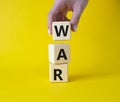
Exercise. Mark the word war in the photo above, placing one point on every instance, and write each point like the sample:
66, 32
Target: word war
59, 54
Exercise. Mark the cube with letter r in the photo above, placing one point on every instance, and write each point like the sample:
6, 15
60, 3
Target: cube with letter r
58, 72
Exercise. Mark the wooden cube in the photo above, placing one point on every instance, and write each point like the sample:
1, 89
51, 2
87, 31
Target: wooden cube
58, 73
59, 53
61, 30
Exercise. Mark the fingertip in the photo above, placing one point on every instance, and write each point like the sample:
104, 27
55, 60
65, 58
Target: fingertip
74, 28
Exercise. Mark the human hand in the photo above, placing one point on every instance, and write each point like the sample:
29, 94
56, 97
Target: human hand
60, 10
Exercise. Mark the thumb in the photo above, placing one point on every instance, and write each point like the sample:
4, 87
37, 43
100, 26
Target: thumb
52, 16
75, 18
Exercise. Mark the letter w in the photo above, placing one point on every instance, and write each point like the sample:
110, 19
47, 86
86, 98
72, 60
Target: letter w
61, 29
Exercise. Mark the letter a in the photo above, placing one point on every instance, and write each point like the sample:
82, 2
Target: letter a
62, 54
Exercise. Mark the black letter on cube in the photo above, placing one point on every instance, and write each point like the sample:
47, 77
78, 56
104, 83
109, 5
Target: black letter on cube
57, 73
61, 29
62, 54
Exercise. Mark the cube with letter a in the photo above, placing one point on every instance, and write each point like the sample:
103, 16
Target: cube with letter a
59, 53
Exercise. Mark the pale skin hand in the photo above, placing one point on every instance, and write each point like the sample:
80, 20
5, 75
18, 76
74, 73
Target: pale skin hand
60, 10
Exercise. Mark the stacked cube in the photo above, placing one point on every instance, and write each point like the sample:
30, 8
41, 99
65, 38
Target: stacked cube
59, 54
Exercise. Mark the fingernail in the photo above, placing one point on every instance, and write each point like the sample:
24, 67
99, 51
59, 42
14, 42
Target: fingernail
74, 27
49, 32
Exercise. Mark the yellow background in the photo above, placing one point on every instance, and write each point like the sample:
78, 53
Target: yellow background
94, 70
